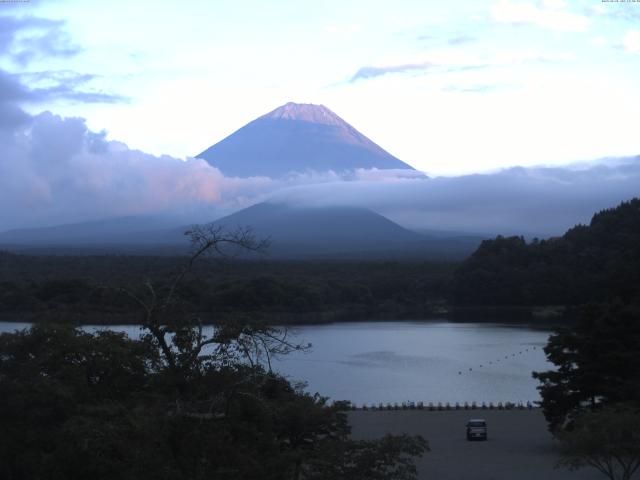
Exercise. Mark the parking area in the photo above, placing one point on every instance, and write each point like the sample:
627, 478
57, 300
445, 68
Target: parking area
518, 446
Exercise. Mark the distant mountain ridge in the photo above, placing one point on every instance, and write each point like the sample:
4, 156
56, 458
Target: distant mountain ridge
297, 138
341, 232
294, 231
321, 229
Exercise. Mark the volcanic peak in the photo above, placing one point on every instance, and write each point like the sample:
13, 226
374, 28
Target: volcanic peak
306, 112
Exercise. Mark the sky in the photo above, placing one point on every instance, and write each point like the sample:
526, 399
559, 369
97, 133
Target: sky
448, 87
103, 106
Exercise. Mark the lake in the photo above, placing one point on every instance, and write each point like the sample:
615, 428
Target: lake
429, 361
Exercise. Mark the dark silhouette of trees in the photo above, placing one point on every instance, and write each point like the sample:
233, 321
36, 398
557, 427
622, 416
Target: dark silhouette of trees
587, 264
596, 364
176, 403
607, 440
87, 289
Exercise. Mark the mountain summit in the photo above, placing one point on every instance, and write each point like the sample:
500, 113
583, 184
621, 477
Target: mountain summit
307, 112
297, 138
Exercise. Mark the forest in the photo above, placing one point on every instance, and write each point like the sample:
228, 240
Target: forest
90, 288
589, 263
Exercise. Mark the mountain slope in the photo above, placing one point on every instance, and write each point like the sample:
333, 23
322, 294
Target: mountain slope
295, 232
297, 138
321, 230
342, 232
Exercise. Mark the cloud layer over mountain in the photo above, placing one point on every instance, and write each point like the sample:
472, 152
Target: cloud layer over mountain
531, 201
56, 170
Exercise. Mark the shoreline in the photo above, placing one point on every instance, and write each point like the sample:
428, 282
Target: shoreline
528, 316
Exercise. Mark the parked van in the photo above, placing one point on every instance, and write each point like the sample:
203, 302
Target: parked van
476, 429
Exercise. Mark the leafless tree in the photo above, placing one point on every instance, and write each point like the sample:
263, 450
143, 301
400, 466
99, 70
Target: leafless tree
181, 340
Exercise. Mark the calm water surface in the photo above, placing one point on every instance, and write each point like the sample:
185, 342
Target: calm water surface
372, 362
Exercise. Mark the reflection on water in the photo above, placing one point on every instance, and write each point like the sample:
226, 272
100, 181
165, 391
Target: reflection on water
372, 362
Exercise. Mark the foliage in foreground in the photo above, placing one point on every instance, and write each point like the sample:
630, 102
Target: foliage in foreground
607, 440
596, 364
177, 403
75, 405
592, 399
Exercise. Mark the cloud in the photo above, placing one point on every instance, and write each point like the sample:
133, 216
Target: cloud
456, 40
631, 41
55, 170
28, 38
460, 39
550, 16
474, 88
453, 61
377, 71
51, 43
69, 93
11, 89
614, 11
42, 87
531, 201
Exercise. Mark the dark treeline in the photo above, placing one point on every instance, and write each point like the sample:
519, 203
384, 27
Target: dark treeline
89, 288
589, 263
176, 403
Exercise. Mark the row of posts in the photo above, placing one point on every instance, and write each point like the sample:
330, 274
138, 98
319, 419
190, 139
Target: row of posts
446, 406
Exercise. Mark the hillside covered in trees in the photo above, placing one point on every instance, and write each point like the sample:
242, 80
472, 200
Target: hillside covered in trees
89, 288
589, 263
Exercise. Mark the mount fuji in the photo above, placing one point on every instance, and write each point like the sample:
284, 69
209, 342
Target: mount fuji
297, 138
